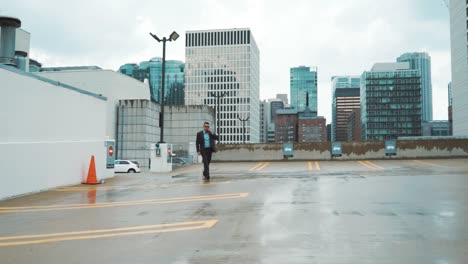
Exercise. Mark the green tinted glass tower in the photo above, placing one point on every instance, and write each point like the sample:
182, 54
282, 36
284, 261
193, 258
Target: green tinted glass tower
303, 80
422, 61
174, 92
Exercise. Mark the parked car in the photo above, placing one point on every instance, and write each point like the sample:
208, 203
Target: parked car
178, 160
127, 166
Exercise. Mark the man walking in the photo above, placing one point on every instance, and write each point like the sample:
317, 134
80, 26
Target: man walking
205, 145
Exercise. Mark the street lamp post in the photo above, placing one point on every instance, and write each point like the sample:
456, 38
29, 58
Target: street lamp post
218, 97
172, 37
243, 126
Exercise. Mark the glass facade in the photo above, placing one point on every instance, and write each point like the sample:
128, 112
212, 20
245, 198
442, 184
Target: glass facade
132, 70
345, 98
174, 91
274, 106
439, 128
422, 61
303, 80
34, 66
225, 62
391, 104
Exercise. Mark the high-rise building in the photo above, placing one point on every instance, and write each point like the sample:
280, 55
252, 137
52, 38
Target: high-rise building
422, 61
134, 71
436, 128
286, 126
450, 94
354, 125
271, 133
174, 92
292, 125
226, 62
459, 47
263, 121
329, 132
450, 110
310, 127
303, 80
275, 104
283, 97
390, 102
345, 98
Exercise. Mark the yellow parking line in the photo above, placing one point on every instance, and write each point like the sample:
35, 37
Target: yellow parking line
114, 232
263, 166
430, 164
317, 165
125, 203
364, 164
256, 166
370, 165
309, 166
104, 188
374, 165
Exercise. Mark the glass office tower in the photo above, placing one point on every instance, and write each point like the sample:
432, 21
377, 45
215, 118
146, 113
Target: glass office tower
303, 80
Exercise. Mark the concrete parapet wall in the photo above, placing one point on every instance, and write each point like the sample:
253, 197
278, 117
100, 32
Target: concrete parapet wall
406, 149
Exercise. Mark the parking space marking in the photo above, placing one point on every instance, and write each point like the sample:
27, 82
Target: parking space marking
105, 233
256, 166
374, 165
370, 165
364, 164
125, 203
260, 166
263, 166
317, 165
310, 165
149, 186
430, 164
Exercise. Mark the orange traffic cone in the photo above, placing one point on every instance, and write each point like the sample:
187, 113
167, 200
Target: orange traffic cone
91, 173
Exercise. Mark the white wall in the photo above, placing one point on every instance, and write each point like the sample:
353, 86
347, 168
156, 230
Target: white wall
459, 44
47, 134
113, 85
29, 167
182, 123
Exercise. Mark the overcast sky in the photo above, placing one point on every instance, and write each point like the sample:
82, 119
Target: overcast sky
340, 37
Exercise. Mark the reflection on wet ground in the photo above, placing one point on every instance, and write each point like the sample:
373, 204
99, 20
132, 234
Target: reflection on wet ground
259, 212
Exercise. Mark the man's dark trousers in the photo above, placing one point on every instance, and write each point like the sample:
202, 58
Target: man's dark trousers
206, 155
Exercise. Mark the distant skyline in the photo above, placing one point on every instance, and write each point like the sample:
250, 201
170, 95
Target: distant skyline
337, 36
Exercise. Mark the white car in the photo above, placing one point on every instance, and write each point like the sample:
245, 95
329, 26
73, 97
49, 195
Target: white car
126, 166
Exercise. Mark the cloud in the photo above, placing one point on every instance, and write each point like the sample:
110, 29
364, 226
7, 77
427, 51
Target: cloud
340, 37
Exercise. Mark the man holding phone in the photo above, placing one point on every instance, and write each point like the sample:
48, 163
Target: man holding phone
205, 145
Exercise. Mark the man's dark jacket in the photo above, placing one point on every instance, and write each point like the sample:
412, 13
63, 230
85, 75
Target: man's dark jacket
201, 141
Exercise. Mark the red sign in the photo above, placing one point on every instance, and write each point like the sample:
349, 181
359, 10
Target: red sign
111, 151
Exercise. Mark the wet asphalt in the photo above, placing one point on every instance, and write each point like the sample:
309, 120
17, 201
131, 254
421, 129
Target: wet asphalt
259, 212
